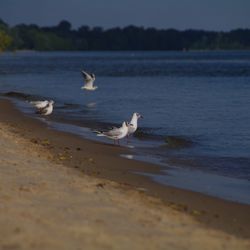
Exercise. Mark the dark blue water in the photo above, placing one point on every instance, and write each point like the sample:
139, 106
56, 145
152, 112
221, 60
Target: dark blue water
196, 105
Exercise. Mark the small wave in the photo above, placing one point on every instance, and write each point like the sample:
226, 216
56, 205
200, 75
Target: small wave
147, 133
178, 142
18, 95
69, 106
23, 96
169, 141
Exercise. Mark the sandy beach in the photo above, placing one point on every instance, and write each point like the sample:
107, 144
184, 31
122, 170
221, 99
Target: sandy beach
59, 191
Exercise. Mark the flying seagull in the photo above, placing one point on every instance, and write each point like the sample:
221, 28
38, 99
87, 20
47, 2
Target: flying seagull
115, 133
47, 110
88, 81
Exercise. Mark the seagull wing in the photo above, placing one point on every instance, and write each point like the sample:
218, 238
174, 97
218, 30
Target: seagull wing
113, 132
88, 79
42, 111
86, 76
110, 128
40, 104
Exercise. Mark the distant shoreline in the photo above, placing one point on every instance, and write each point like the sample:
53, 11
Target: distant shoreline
85, 38
77, 51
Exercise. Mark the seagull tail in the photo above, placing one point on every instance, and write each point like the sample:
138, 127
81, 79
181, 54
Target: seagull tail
98, 133
101, 134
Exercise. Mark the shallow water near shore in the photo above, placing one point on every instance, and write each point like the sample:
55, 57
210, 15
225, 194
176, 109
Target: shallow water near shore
195, 107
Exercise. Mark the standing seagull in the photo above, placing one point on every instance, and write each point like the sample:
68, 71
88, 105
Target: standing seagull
132, 126
88, 81
46, 110
116, 133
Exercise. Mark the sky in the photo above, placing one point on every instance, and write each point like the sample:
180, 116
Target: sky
218, 15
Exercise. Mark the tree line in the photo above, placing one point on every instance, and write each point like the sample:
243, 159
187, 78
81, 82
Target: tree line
63, 37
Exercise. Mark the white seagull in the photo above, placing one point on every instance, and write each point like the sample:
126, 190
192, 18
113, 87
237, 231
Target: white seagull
116, 133
47, 110
40, 104
132, 126
88, 81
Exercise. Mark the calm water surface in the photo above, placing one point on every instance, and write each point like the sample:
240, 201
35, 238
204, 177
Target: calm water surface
196, 108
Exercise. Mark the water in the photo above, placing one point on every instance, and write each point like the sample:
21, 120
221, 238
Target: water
195, 104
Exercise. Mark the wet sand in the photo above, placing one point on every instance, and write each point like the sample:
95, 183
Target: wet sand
59, 191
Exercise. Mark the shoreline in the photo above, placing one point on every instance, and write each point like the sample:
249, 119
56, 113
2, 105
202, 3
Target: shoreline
46, 205
104, 161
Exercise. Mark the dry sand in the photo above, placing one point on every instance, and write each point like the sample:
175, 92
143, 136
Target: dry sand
46, 205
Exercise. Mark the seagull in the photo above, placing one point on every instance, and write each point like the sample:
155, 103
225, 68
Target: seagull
116, 133
47, 110
88, 81
132, 126
40, 104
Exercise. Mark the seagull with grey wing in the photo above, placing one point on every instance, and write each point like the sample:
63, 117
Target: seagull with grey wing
115, 133
47, 110
88, 81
